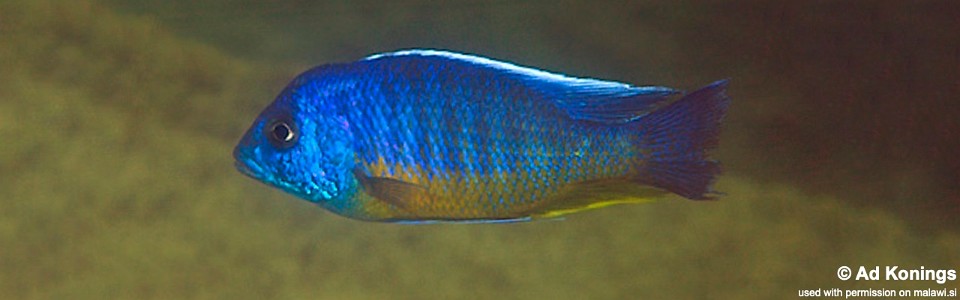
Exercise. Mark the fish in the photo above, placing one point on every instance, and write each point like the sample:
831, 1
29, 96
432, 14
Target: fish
432, 136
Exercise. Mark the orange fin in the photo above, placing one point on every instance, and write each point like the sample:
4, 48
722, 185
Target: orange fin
404, 195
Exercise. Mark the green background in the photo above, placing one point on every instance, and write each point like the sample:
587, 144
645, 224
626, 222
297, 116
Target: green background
117, 121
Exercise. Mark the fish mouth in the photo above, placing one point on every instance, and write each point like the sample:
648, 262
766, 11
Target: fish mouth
247, 166
249, 169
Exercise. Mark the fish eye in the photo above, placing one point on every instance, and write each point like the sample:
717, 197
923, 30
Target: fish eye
281, 133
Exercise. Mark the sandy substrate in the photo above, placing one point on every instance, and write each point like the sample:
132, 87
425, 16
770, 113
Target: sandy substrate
117, 182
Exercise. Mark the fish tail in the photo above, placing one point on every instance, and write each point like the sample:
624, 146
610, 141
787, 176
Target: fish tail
674, 142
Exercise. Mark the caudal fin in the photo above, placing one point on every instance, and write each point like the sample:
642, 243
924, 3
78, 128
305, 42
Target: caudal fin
675, 141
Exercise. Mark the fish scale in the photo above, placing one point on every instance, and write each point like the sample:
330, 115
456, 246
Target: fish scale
435, 136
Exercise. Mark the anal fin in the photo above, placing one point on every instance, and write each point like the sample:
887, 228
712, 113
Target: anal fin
595, 194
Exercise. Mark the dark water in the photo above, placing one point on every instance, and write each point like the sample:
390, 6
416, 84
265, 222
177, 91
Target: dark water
117, 121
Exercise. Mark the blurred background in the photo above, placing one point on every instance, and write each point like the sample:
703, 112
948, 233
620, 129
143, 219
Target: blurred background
117, 120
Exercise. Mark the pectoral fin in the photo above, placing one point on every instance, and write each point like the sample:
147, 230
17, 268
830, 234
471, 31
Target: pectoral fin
405, 195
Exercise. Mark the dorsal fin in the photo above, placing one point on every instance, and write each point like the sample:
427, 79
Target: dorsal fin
595, 100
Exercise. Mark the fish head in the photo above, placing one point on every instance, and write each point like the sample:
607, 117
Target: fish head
301, 146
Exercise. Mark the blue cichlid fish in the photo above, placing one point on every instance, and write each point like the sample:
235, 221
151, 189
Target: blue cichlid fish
421, 136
